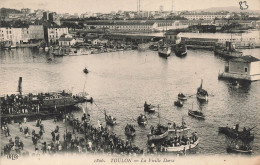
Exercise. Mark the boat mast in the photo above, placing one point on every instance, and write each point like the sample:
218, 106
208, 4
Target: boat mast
19, 88
105, 117
158, 113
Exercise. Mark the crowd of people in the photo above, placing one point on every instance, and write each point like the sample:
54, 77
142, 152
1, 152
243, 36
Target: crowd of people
18, 104
178, 140
84, 138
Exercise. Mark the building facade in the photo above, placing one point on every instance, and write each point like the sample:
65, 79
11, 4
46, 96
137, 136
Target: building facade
66, 41
16, 36
36, 33
142, 26
249, 38
54, 34
203, 16
244, 68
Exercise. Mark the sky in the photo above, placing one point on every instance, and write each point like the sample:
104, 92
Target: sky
105, 6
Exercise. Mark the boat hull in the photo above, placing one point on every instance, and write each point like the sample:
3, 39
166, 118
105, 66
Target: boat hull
228, 54
178, 104
182, 147
191, 113
182, 98
201, 97
178, 130
180, 53
163, 54
157, 137
234, 150
149, 109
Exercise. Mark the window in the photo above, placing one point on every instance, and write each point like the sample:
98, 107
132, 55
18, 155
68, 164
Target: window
246, 70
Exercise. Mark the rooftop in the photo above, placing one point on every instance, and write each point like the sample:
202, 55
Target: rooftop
65, 39
247, 59
120, 23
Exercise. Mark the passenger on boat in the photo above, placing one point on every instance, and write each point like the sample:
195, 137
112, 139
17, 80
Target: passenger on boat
152, 130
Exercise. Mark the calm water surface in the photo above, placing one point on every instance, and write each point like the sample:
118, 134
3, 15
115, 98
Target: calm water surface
121, 82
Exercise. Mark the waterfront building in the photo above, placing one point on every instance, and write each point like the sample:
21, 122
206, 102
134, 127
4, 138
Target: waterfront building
168, 25
196, 22
17, 36
54, 33
143, 26
36, 33
249, 38
243, 68
203, 16
121, 26
244, 23
66, 40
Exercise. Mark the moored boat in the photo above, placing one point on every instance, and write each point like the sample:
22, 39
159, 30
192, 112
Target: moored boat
228, 51
80, 52
159, 133
180, 50
196, 114
164, 51
202, 94
181, 96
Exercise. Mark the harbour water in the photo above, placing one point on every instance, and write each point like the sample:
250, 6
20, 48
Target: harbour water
121, 82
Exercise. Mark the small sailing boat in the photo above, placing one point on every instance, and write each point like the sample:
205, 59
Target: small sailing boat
180, 50
159, 133
202, 94
196, 114
110, 120
178, 129
149, 108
